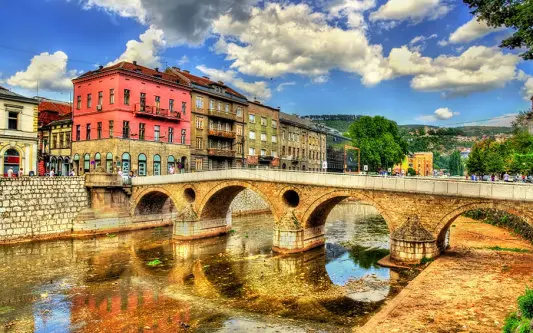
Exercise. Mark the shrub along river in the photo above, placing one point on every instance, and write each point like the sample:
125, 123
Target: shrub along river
142, 281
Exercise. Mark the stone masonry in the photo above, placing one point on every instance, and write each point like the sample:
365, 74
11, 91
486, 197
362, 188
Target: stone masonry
37, 208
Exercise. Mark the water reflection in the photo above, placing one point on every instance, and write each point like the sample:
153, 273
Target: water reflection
143, 281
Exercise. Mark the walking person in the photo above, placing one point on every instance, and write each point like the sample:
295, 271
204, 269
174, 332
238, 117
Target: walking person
10, 172
52, 173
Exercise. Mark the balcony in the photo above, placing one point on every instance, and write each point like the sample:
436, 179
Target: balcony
156, 113
222, 134
266, 159
220, 152
222, 114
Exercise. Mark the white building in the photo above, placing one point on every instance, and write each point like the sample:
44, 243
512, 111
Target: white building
18, 133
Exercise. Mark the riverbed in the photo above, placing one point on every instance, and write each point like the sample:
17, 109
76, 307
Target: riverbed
144, 282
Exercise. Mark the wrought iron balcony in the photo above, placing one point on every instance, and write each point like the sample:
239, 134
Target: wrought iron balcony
222, 114
220, 152
147, 111
222, 134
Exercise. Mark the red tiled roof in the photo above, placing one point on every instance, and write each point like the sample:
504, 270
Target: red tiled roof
202, 81
60, 107
135, 68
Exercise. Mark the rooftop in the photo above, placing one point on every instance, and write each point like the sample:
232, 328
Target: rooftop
10, 95
62, 108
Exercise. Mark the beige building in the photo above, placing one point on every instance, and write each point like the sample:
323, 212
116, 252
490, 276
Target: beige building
262, 135
18, 133
303, 144
217, 124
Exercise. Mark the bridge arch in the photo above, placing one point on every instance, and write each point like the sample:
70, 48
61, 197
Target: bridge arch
153, 201
318, 211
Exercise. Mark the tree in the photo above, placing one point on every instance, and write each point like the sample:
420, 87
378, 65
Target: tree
515, 14
379, 140
455, 164
475, 161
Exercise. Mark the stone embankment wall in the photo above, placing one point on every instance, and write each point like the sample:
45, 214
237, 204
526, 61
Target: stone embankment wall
36, 208
248, 202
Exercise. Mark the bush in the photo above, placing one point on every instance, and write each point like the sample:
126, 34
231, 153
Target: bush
511, 323
525, 304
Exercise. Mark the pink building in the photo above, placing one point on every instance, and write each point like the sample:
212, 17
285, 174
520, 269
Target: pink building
132, 118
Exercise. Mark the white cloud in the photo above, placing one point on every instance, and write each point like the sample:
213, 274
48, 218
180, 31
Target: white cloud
146, 51
421, 39
280, 39
412, 10
183, 60
124, 8
471, 30
48, 71
527, 89
352, 11
503, 120
320, 79
257, 89
282, 86
439, 114
442, 42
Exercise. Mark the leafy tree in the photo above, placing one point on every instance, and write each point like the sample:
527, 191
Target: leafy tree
475, 160
515, 14
379, 140
455, 164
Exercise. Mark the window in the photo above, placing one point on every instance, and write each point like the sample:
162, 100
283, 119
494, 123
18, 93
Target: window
126, 163
157, 102
125, 129
111, 96
156, 132
13, 120
274, 123
239, 112
228, 127
199, 122
239, 148
199, 143
251, 151
171, 105
199, 102
78, 102
111, 128
226, 108
251, 118
88, 132
53, 144
183, 135
86, 163
171, 162
263, 137
89, 100
157, 165
67, 139
142, 129
239, 130
274, 153
97, 160
99, 130
263, 121
219, 106
263, 152
126, 96
100, 97
142, 165
143, 101
184, 108
252, 135
211, 105
78, 132
198, 164
109, 163
170, 135
274, 139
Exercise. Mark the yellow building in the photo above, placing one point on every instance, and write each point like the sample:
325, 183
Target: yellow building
18, 133
422, 163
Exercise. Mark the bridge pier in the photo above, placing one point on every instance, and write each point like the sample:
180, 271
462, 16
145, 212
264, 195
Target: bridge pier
188, 226
411, 242
291, 237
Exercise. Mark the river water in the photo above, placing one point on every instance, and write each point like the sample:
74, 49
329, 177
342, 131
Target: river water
143, 282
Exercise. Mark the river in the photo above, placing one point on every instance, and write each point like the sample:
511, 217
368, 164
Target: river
144, 282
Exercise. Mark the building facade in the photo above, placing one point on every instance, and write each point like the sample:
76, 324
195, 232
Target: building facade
262, 136
335, 143
18, 133
303, 144
54, 134
218, 127
422, 163
131, 118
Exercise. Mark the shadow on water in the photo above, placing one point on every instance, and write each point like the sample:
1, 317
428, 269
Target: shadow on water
143, 281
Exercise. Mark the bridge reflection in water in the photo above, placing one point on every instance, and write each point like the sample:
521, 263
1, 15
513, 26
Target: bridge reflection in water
141, 280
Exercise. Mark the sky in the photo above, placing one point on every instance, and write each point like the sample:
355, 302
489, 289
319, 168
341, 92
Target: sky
412, 61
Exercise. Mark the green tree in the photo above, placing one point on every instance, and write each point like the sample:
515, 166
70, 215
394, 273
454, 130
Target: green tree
455, 164
515, 14
379, 140
475, 164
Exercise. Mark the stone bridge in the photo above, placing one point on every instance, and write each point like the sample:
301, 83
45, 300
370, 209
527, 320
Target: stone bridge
418, 211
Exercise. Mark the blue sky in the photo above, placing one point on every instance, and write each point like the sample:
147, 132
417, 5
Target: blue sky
413, 61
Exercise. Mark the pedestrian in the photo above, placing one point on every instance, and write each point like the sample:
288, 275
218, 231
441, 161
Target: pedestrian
119, 172
171, 170
52, 173
492, 177
21, 172
72, 173
10, 172
506, 177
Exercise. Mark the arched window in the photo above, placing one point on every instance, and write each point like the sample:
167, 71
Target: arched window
53, 164
171, 163
157, 165
97, 160
142, 165
86, 163
76, 163
126, 163
109, 163
11, 160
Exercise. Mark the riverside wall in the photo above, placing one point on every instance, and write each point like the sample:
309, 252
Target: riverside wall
39, 207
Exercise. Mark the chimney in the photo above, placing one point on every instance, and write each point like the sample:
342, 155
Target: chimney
206, 77
135, 62
100, 67
221, 83
186, 71
157, 69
